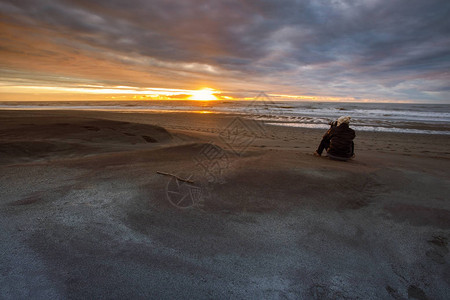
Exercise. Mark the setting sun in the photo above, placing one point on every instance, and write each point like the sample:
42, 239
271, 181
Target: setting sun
205, 94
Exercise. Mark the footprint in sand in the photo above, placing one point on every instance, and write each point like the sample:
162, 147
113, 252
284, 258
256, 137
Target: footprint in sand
440, 249
149, 139
393, 292
415, 292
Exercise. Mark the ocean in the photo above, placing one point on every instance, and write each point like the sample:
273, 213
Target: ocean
378, 117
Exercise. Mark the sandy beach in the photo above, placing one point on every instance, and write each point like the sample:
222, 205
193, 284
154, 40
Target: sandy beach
84, 213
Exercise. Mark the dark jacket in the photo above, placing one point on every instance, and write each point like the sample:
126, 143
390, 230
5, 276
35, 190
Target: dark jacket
341, 140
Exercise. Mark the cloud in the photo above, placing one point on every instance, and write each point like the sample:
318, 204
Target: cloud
370, 48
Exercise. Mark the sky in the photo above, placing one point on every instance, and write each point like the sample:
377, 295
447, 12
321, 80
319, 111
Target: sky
335, 50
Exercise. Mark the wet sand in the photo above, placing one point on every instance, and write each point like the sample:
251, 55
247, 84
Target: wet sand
84, 213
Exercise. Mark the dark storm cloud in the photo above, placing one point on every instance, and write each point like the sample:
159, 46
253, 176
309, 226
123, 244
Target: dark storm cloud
379, 49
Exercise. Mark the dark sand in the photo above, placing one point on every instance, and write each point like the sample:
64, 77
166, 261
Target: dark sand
85, 215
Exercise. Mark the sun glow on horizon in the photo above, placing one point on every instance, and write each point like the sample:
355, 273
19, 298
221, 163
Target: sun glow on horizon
97, 92
205, 94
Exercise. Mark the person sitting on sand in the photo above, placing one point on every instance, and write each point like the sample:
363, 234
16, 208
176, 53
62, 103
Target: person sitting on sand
338, 140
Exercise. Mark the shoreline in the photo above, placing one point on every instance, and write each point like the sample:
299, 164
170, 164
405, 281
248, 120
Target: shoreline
407, 127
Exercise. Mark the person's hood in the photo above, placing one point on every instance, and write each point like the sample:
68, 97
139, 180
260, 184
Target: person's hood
343, 120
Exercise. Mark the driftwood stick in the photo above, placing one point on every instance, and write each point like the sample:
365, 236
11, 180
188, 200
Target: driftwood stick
179, 178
